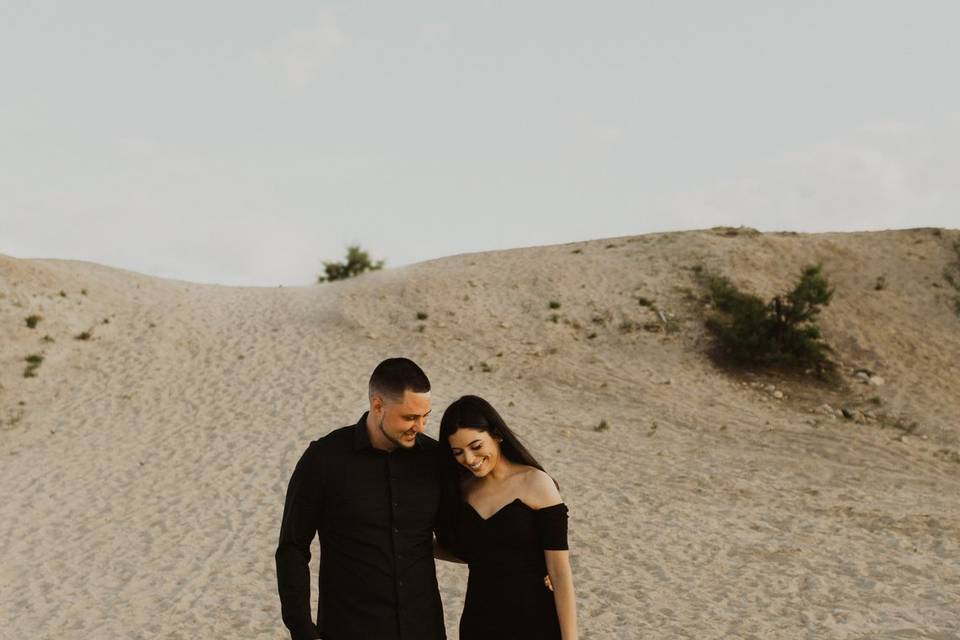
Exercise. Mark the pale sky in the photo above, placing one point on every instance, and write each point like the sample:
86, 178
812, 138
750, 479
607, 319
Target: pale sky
245, 143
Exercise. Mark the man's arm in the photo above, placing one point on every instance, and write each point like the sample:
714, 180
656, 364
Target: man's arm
441, 553
301, 519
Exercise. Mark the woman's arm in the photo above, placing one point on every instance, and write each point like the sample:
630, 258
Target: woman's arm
542, 493
558, 568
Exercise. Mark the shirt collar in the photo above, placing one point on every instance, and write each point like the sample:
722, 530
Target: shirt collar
361, 439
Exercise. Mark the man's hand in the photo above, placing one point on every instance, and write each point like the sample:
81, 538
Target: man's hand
547, 583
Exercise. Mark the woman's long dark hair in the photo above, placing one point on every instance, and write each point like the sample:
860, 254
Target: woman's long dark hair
470, 412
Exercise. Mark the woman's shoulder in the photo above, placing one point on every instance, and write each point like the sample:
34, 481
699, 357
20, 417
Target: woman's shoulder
539, 489
466, 485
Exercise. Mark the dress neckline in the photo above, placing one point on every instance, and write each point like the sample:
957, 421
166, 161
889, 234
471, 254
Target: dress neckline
514, 501
492, 515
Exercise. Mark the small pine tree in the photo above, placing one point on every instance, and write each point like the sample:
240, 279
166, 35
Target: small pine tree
781, 332
357, 262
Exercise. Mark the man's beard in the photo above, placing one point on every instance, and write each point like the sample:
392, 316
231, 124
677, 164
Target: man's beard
386, 435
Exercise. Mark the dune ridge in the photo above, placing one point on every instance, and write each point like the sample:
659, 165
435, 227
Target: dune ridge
143, 469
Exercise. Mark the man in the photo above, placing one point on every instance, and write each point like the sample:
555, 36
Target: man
371, 492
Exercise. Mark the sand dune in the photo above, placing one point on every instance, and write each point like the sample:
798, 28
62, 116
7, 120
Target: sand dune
143, 470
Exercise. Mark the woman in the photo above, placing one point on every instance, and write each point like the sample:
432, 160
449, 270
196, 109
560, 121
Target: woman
503, 515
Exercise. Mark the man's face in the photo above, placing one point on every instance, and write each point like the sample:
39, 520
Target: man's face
400, 422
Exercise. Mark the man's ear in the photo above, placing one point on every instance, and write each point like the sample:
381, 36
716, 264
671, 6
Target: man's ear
376, 404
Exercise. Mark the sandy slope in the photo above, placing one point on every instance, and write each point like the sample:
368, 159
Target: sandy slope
143, 471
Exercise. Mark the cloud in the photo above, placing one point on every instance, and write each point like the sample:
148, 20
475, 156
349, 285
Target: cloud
301, 54
433, 33
887, 176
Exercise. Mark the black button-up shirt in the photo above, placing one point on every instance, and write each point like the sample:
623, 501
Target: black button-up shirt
375, 514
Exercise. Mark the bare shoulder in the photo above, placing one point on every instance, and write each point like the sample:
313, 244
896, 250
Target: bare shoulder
466, 486
539, 489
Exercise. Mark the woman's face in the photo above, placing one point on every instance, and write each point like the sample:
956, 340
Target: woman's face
476, 450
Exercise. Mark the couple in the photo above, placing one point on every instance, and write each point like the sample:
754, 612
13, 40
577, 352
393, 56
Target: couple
377, 492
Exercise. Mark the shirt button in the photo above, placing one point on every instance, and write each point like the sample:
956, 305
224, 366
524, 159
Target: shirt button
396, 529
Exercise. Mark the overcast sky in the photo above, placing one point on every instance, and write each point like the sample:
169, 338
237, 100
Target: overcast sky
244, 143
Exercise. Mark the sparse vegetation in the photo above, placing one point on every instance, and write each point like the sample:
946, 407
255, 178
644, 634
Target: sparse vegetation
644, 302
63, 294
881, 283
951, 273
554, 318
486, 368
357, 262
33, 361
733, 232
553, 304
782, 332
84, 335
602, 426
13, 419
422, 315
32, 320
47, 338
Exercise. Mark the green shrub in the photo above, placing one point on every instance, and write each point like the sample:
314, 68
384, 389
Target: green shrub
357, 262
553, 304
33, 361
780, 332
951, 273
32, 320
422, 315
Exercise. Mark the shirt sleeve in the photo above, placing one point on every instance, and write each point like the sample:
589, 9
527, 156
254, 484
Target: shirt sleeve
552, 527
301, 519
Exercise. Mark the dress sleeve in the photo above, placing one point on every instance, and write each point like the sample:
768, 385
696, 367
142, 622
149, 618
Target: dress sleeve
552, 527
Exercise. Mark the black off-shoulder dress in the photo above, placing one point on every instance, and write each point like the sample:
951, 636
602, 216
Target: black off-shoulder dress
506, 597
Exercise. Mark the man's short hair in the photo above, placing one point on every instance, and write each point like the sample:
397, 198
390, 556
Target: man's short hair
393, 376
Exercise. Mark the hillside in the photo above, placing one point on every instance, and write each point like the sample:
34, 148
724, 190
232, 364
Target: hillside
144, 468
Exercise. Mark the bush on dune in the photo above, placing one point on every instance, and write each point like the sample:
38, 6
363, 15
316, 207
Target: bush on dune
357, 262
781, 332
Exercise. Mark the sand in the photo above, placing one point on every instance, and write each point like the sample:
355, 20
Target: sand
143, 470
